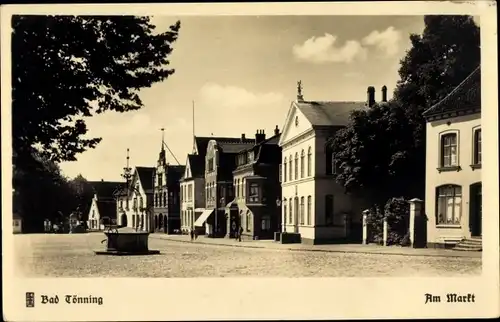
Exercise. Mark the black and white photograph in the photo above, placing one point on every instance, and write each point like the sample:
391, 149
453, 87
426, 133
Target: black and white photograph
179, 146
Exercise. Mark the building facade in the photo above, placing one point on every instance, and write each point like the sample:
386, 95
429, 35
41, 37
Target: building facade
103, 208
219, 165
137, 212
257, 190
192, 191
314, 206
167, 206
453, 202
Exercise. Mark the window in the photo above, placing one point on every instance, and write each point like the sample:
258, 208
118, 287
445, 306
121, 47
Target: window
156, 200
141, 204
290, 168
309, 210
284, 211
302, 156
302, 212
335, 165
297, 209
266, 223
133, 220
449, 150
280, 173
121, 203
210, 164
164, 199
449, 205
477, 146
284, 169
296, 165
160, 182
309, 162
134, 207
329, 210
290, 214
329, 161
254, 192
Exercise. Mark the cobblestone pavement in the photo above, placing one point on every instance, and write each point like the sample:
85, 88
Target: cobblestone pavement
71, 255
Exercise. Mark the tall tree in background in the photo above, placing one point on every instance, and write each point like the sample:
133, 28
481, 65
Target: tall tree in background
65, 68
382, 150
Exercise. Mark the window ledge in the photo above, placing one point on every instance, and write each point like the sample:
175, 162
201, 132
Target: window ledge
475, 166
448, 169
458, 226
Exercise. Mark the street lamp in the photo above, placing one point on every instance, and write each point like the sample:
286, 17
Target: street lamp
278, 205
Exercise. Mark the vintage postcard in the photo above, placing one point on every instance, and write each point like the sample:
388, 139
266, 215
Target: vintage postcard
250, 161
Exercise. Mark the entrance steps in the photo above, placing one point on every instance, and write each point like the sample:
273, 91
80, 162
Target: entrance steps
473, 244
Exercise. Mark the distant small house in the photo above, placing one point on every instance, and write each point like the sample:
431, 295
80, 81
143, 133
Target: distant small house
17, 224
103, 210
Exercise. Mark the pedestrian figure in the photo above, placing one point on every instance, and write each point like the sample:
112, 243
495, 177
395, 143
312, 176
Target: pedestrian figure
195, 234
191, 232
239, 233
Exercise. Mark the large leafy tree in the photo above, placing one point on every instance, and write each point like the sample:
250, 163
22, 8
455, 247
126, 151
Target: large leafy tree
68, 67
65, 68
382, 149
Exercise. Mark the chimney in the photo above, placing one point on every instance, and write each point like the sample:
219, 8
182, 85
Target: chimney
371, 96
276, 130
384, 93
102, 180
243, 136
259, 136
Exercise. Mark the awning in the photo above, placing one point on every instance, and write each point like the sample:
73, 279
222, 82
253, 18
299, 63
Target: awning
203, 217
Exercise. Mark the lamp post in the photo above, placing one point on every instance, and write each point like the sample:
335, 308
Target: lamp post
278, 205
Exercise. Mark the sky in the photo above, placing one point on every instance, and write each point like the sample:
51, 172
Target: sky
242, 72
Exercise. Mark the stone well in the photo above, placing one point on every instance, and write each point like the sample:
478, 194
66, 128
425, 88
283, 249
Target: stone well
126, 242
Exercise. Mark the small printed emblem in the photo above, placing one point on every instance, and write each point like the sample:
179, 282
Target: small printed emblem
30, 299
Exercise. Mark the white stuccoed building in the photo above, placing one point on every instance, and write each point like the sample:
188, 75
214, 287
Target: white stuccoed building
314, 205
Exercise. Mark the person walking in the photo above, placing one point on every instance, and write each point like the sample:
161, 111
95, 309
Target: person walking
191, 232
240, 231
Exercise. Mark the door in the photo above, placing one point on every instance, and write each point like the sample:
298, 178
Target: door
476, 209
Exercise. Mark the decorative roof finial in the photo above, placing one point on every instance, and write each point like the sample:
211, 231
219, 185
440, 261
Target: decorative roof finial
162, 139
300, 97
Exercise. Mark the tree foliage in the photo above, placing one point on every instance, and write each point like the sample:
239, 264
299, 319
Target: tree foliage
68, 67
383, 148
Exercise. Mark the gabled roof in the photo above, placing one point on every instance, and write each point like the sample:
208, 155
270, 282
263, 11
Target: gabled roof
466, 96
328, 113
107, 208
146, 177
202, 142
197, 165
107, 189
235, 147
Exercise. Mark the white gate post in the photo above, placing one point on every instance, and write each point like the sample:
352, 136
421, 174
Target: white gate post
415, 212
365, 226
385, 231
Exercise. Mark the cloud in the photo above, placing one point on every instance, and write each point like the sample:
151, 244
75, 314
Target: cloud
236, 98
387, 41
323, 50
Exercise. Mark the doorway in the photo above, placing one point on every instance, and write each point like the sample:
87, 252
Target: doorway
476, 209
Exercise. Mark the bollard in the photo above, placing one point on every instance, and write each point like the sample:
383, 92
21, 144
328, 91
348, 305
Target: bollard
365, 227
385, 231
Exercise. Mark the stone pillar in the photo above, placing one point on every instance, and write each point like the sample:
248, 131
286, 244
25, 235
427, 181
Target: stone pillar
386, 231
415, 216
365, 226
347, 225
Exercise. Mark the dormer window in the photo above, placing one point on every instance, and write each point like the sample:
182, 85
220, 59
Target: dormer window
250, 156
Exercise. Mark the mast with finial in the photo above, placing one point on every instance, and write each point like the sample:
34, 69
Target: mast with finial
300, 97
194, 137
127, 171
162, 139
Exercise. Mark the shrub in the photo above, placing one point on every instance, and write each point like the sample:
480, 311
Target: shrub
405, 242
397, 211
374, 222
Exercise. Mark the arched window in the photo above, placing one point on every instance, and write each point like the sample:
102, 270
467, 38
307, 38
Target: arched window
164, 199
290, 168
309, 162
309, 210
449, 204
302, 155
297, 209
302, 212
133, 221
290, 213
284, 169
141, 204
296, 165
284, 211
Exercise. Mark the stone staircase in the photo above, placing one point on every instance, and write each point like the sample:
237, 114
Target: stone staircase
473, 244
